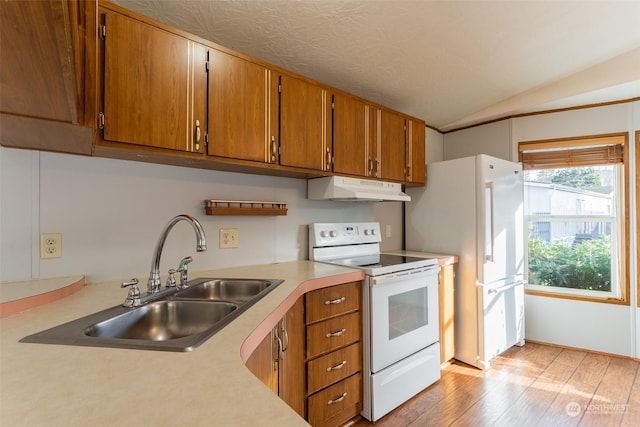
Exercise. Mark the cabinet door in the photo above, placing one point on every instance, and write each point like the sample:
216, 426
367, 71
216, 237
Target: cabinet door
415, 152
154, 85
263, 364
351, 136
303, 125
38, 75
391, 134
42, 75
292, 374
240, 114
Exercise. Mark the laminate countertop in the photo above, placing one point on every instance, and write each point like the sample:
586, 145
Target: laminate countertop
61, 385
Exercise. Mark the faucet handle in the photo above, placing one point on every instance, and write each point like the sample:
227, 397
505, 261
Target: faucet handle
171, 281
133, 297
183, 268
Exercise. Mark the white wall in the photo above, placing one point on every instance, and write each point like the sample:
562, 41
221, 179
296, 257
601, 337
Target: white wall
601, 327
110, 213
493, 139
435, 147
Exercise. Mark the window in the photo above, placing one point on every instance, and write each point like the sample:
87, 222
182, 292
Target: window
575, 205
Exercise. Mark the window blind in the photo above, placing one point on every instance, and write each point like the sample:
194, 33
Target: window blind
574, 152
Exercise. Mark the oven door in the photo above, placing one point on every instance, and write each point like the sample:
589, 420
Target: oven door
404, 315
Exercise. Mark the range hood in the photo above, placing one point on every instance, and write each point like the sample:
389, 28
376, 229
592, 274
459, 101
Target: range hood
355, 189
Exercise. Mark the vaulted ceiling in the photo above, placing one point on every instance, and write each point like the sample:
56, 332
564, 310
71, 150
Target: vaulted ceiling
451, 63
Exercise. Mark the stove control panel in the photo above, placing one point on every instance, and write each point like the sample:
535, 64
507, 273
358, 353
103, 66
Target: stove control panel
343, 233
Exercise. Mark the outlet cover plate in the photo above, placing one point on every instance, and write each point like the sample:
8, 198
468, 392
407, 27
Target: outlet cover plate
229, 238
50, 245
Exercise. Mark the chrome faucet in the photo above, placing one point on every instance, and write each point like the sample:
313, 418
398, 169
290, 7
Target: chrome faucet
153, 285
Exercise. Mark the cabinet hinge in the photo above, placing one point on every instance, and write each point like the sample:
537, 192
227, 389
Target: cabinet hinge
101, 121
206, 66
102, 32
279, 88
206, 139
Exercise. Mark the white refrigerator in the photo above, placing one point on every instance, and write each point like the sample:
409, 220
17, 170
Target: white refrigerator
473, 208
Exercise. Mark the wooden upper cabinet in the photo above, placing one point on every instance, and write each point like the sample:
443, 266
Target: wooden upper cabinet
304, 127
38, 74
352, 136
42, 77
242, 116
154, 83
415, 152
391, 139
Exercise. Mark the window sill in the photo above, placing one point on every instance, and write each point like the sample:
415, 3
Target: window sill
555, 294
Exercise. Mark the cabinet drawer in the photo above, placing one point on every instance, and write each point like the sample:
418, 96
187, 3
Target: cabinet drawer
332, 301
333, 367
331, 334
336, 404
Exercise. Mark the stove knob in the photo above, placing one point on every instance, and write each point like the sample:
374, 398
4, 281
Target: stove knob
333, 233
324, 233
366, 232
373, 231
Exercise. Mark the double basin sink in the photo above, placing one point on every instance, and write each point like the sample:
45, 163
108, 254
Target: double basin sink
179, 322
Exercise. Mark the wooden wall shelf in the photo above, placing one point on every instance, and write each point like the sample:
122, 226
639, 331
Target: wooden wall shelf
244, 207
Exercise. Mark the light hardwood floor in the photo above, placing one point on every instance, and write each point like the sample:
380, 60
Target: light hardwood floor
534, 385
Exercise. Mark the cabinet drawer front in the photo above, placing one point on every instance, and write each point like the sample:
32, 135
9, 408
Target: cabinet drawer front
332, 301
338, 403
334, 333
333, 367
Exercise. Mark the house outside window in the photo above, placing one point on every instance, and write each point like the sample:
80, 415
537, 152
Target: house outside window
575, 204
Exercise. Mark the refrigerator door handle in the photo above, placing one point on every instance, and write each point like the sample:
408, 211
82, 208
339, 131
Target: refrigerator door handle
489, 222
501, 288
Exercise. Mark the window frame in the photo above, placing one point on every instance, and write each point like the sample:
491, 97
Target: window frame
567, 144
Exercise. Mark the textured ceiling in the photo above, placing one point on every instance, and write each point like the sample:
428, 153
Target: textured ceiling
451, 63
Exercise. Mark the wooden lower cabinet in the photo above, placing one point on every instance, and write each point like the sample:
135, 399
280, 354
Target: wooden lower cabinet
336, 405
263, 363
313, 357
334, 354
291, 373
446, 303
278, 361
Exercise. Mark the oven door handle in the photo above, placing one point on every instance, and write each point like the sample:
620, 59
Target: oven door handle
404, 275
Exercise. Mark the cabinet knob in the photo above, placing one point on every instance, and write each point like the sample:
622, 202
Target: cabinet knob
336, 334
198, 135
274, 149
328, 161
335, 301
338, 366
339, 399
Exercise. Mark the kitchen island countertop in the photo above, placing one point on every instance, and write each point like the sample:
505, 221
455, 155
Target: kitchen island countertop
43, 384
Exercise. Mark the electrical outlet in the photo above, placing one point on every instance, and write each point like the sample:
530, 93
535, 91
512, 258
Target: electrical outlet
388, 231
50, 245
229, 238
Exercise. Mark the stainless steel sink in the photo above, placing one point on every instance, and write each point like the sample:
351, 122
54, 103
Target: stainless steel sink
179, 322
163, 320
232, 290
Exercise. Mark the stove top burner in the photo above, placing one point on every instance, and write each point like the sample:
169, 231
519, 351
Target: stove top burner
357, 245
379, 260
377, 264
